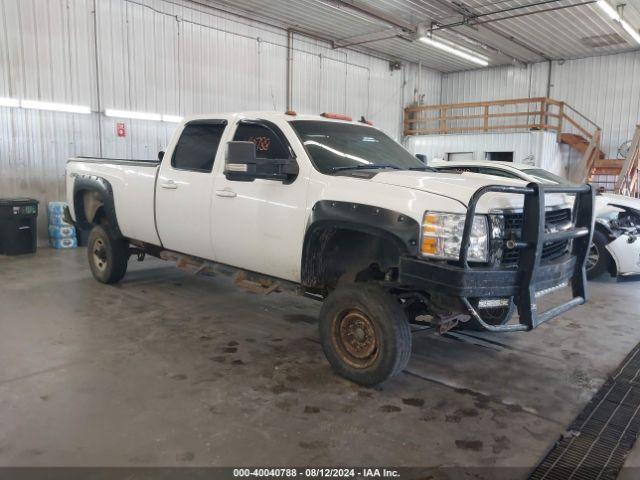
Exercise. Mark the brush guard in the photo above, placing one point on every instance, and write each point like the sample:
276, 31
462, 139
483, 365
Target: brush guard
532, 277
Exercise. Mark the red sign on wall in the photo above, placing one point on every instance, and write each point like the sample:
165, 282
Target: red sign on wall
121, 131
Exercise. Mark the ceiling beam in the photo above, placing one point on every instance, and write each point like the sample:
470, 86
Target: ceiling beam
373, 13
467, 12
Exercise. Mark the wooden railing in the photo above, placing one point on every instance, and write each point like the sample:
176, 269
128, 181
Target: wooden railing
540, 113
521, 114
629, 182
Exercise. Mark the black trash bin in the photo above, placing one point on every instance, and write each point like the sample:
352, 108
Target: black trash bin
18, 226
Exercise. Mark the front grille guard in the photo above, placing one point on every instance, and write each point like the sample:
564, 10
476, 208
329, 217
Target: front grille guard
530, 245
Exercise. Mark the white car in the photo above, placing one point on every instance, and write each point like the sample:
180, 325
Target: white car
616, 246
337, 210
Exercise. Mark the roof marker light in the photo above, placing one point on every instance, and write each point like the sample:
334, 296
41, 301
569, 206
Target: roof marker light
336, 116
291, 112
455, 51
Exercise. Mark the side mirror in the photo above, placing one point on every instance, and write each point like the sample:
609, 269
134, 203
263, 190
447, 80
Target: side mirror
421, 157
242, 165
160, 155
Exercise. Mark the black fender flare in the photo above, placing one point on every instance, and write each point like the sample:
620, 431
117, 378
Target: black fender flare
102, 188
604, 228
398, 228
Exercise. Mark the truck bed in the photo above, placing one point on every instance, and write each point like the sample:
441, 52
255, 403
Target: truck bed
133, 183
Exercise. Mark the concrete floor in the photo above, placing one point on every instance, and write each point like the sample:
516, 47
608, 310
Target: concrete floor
167, 368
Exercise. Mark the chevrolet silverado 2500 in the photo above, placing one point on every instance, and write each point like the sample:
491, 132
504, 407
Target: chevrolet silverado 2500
339, 211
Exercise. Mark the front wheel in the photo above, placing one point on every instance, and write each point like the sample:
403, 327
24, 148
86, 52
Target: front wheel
598, 257
108, 256
365, 334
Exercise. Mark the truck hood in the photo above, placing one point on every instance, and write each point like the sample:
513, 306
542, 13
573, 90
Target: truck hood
462, 186
613, 199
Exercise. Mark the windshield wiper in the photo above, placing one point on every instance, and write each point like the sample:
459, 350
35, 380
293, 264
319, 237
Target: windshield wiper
364, 167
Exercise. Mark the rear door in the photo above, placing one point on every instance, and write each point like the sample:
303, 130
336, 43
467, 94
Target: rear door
184, 189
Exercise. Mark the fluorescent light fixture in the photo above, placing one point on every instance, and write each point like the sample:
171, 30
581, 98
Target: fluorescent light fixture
135, 115
612, 13
56, 107
172, 118
455, 51
630, 30
9, 102
608, 9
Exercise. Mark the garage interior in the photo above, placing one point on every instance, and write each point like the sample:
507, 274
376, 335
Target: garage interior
172, 369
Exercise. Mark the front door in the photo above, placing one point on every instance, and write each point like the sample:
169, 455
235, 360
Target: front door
184, 189
259, 225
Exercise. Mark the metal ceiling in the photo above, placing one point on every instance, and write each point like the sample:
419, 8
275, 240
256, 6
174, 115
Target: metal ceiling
505, 31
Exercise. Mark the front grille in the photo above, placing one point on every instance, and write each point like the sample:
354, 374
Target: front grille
554, 219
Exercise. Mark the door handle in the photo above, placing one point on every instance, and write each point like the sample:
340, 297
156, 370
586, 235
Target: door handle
170, 185
226, 193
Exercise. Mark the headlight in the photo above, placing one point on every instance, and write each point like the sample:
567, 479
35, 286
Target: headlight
442, 236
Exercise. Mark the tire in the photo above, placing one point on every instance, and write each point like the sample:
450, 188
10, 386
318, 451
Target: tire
492, 316
598, 257
365, 334
107, 256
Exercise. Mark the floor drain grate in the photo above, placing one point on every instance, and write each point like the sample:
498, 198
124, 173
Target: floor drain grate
597, 442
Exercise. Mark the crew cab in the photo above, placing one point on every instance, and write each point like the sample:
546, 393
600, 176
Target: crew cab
616, 239
338, 211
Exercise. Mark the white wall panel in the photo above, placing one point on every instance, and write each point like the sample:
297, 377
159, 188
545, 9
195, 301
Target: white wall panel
495, 83
605, 89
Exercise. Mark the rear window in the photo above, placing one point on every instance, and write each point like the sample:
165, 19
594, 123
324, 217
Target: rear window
197, 146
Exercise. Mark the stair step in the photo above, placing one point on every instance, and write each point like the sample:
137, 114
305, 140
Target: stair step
579, 143
609, 166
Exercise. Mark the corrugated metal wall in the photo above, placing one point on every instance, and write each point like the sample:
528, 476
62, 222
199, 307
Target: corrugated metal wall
168, 57
606, 89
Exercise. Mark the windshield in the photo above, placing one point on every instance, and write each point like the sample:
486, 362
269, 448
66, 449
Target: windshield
335, 146
544, 176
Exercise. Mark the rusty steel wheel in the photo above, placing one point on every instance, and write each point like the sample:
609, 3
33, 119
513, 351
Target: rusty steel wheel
99, 255
364, 332
355, 338
108, 256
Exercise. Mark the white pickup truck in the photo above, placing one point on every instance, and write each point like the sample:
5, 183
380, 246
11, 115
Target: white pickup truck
339, 211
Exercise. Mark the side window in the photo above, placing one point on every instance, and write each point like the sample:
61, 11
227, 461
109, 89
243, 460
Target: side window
197, 146
498, 173
268, 143
461, 169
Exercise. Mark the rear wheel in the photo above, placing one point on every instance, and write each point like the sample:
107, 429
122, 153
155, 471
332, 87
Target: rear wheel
107, 256
365, 334
598, 257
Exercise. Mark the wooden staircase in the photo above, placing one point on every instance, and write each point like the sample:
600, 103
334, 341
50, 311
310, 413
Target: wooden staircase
628, 182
